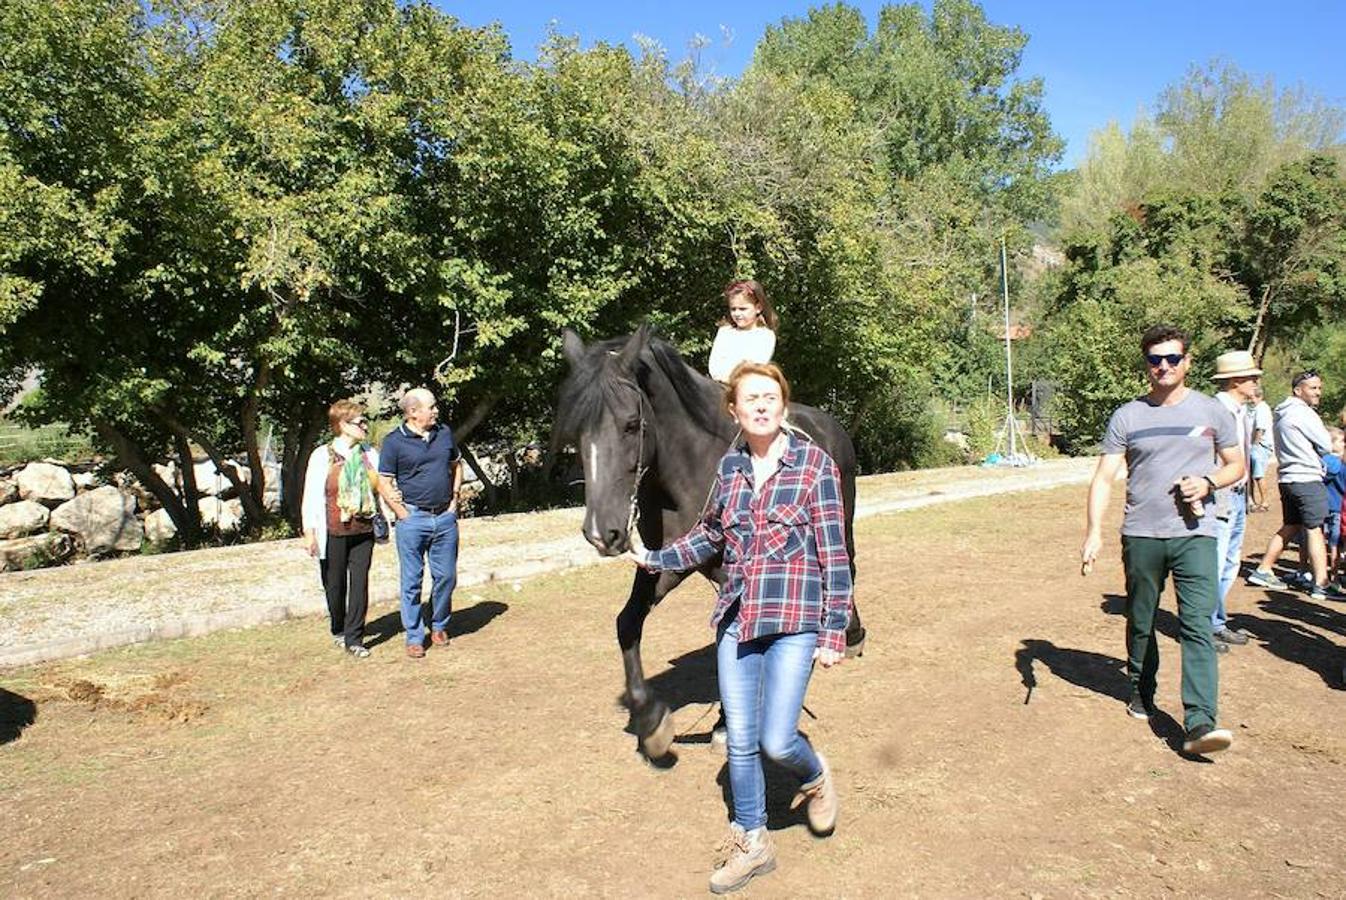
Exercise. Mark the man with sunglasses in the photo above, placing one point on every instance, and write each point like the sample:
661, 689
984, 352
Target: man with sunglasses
425, 461
1170, 441
1301, 443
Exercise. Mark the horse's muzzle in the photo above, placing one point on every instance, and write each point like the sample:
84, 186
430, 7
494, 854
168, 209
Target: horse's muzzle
608, 543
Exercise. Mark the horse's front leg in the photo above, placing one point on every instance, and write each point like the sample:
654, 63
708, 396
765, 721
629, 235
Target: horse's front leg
855, 633
650, 718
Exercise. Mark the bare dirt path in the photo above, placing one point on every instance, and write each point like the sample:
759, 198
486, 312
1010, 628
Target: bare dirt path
261, 762
67, 611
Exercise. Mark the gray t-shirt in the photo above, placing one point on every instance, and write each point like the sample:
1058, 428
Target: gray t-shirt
1162, 444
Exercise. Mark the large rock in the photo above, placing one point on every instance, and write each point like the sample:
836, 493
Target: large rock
22, 518
159, 527
84, 481
226, 515
34, 552
45, 483
211, 481
104, 518
169, 473
9, 491
271, 479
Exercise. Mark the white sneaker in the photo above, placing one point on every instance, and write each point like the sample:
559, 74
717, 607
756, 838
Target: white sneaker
1205, 739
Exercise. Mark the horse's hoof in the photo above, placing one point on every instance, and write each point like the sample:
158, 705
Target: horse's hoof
657, 743
857, 649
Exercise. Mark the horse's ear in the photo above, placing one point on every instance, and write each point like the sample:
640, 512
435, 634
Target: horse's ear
573, 347
636, 343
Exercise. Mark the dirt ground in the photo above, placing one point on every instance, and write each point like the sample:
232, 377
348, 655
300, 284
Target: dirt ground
980, 745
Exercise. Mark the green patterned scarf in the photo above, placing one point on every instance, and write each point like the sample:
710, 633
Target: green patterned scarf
355, 489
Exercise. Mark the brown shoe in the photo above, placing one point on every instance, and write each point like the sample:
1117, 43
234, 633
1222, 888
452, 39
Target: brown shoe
821, 797
415, 651
439, 638
749, 854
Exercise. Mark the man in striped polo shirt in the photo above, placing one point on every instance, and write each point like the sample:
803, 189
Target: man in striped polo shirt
1170, 441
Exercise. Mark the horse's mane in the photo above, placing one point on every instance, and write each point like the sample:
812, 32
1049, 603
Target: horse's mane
588, 389
593, 385
691, 386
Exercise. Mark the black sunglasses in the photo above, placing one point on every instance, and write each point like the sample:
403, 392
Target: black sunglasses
1302, 377
358, 423
1172, 359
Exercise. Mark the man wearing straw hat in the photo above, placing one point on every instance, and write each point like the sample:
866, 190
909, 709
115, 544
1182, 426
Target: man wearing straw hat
1179, 447
1236, 374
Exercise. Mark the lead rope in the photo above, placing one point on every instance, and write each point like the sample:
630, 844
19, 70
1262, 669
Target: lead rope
710, 492
633, 512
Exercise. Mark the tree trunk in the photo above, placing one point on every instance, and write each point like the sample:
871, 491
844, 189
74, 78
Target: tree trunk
130, 456
469, 423
491, 494
299, 441
1257, 345
190, 495
249, 426
252, 506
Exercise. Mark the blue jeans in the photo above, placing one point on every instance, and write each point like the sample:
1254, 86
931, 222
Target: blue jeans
1229, 553
762, 685
421, 536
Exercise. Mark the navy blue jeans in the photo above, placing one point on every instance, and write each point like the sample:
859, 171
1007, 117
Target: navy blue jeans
422, 537
762, 686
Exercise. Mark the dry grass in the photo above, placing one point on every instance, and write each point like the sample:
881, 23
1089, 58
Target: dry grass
263, 762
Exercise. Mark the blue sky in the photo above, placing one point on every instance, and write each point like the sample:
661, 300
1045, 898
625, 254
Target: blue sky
1100, 61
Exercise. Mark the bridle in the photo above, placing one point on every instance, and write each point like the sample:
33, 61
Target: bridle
633, 509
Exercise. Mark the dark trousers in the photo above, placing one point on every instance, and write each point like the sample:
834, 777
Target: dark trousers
1192, 560
345, 579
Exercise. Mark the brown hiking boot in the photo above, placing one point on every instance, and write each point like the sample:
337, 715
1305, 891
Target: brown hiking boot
821, 797
749, 853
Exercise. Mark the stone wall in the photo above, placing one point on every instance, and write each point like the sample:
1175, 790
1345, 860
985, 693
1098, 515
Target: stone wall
51, 513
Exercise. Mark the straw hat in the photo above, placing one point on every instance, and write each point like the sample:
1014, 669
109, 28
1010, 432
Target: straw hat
1235, 364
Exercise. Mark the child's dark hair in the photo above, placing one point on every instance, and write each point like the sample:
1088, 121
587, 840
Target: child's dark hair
757, 294
1158, 334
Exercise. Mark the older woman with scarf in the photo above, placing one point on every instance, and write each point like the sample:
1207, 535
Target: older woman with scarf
340, 502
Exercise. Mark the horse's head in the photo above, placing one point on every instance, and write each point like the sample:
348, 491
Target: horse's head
604, 411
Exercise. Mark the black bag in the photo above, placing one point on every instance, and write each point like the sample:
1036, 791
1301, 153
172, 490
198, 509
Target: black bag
380, 522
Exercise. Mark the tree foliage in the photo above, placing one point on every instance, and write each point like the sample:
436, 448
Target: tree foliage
1226, 214
220, 213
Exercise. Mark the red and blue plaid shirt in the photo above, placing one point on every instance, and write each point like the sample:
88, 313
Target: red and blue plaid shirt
785, 556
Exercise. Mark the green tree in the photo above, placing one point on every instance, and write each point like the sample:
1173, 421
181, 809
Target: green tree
1294, 252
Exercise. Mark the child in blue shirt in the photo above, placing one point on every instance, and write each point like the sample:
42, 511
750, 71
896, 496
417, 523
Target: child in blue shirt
1335, 479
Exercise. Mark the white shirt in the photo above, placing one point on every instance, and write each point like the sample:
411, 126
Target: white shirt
735, 345
313, 506
1262, 423
1245, 433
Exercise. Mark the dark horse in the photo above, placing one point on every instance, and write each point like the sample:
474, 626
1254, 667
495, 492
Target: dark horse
650, 431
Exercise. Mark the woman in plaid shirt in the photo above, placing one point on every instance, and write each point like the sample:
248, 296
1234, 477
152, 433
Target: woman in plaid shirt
776, 514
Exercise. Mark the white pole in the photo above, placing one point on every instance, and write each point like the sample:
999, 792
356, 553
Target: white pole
1009, 366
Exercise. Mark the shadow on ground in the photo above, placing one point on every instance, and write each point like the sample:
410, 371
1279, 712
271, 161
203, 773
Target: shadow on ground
1289, 640
1292, 641
16, 713
462, 622
781, 787
1097, 672
690, 680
